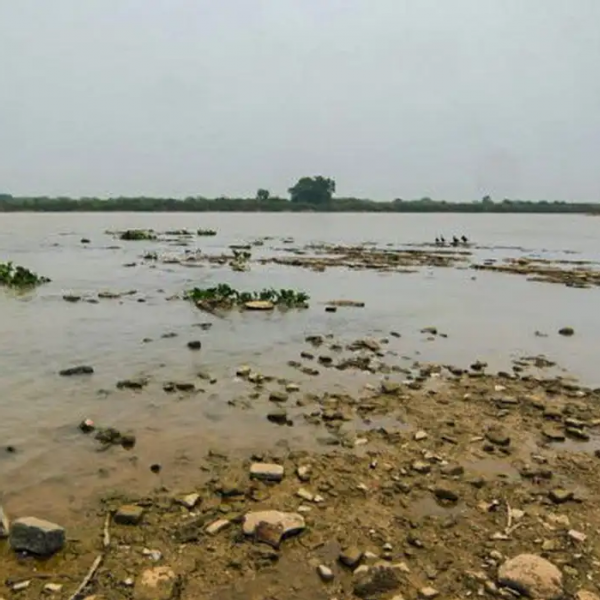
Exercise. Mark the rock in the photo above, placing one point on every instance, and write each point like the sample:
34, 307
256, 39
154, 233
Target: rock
190, 500
446, 494
243, 371
36, 536
53, 588
497, 436
132, 384
532, 576
553, 433
20, 585
157, 583
331, 309
325, 573
292, 387
217, 526
577, 536
278, 396
390, 387
427, 593
560, 495
566, 331
266, 472
87, 426
271, 526
80, 370
259, 305
420, 435
305, 495
128, 440
430, 330
303, 473
194, 345
452, 470
585, 595
280, 416
129, 514
377, 580
420, 466
4, 524
351, 557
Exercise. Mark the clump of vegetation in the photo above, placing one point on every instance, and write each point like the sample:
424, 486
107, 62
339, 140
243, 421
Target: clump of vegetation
19, 277
225, 297
206, 232
241, 259
136, 235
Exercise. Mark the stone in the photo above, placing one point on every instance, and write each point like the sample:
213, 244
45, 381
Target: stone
390, 387
553, 433
267, 472
420, 435
497, 436
155, 584
36, 536
445, 494
532, 576
292, 387
585, 595
577, 536
190, 500
566, 331
303, 473
376, 581
79, 370
428, 593
277, 396
194, 345
129, 514
325, 573
53, 588
560, 495
279, 416
243, 371
4, 524
421, 466
305, 495
271, 526
20, 585
452, 470
87, 426
351, 556
132, 384
217, 526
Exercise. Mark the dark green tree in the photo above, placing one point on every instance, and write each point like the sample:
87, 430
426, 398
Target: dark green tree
263, 195
317, 190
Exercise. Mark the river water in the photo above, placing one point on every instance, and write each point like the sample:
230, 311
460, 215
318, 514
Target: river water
487, 316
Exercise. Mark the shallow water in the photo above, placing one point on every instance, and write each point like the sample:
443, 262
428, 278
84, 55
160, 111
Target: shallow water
487, 316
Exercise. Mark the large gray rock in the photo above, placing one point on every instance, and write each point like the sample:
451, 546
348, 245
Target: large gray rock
532, 576
36, 536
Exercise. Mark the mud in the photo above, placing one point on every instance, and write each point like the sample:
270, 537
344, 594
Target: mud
437, 472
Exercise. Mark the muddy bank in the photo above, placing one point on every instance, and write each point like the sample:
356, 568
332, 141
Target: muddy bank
429, 480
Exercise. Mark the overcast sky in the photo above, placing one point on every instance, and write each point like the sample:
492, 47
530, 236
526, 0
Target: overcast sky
392, 98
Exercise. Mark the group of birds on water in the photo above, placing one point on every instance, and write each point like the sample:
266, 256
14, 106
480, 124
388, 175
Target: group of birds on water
462, 241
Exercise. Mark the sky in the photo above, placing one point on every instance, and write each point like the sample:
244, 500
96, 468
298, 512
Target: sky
391, 98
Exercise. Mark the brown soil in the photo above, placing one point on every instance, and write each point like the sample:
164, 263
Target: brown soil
443, 473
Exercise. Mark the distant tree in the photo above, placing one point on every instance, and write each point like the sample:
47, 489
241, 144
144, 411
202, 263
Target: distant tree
263, 195
313, 190
487, 200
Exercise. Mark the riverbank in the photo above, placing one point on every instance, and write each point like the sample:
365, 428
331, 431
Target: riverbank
426, 482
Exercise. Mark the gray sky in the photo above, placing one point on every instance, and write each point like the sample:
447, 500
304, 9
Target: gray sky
392, 98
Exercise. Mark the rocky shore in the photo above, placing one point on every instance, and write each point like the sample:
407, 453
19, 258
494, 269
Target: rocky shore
432, 481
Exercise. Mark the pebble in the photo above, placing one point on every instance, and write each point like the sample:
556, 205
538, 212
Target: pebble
194, 345
532, 576
553, 433
4, 524
155, 555
325, 573
428, 593
285, 523
21, 585
279, 416
190, 500
560, 495
218, 526
376, 581
36, 536
53, 588
351, 556
305, 495
267, 472
566, 331
446, 494
278, 396
585, 595
243, 371
80, 370
292, 387
577, 536
303, 473
421, 467
129, 514
420, 435
497, 436
389, 387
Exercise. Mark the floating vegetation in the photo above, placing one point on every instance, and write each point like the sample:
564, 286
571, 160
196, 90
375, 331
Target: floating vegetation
225, 297
206, 232
19, 277
240, 261
136, 235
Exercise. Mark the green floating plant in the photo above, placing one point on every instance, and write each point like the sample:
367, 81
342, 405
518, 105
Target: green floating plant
19, 277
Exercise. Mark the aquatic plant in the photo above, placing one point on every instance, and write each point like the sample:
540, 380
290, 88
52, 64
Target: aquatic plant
135, 235
19, 277
223, 296
206, 232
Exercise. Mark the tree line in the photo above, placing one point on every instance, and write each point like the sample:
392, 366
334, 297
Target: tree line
309, 194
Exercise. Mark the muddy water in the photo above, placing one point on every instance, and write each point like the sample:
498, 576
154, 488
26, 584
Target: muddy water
486, 316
